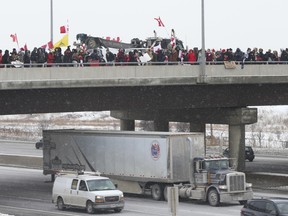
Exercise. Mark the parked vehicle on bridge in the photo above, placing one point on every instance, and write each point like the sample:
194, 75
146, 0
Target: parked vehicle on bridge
249, 153
88, 191
135, 43
267, 207
147, 162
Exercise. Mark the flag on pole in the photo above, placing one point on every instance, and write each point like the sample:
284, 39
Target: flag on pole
25, 47
160, 23
14, 37
63, 30
173, 38
44, 46
63, 42
50, 45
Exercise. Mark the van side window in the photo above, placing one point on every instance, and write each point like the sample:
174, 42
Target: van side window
82, 186
74, 184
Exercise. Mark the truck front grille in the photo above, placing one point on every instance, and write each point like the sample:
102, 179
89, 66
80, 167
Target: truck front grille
236, 182
112, 199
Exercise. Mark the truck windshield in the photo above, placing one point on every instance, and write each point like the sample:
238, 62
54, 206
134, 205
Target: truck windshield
217, 165
101, 184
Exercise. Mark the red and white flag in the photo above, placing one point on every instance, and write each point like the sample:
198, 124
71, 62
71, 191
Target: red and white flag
173, 38
50, 45
63, 30
14, 37
25, 47
160, 23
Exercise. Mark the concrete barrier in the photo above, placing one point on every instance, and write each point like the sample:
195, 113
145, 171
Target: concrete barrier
22, 161
268, 181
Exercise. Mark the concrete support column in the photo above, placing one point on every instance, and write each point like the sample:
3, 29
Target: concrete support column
127, 125
161, 125
201, 128
237, 146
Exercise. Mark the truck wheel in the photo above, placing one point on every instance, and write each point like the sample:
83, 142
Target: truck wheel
213, 197
60, 204
89, 207
157, 192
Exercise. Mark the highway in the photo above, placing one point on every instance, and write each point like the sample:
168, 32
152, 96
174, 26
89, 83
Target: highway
28, 192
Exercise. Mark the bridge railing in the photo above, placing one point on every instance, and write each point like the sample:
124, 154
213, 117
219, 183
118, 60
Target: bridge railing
97, 63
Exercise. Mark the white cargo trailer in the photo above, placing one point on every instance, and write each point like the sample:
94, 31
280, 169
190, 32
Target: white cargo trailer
141, 162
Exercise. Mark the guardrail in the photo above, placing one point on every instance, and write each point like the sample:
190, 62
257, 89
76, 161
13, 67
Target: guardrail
97, 63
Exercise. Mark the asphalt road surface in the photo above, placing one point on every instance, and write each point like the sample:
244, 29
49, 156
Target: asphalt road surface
28, 192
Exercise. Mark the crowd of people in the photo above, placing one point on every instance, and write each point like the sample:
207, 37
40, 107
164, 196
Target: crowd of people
95, 57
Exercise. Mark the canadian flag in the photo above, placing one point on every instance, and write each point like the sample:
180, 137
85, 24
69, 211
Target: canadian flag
160, 23
63, 30
14, 37
50, 45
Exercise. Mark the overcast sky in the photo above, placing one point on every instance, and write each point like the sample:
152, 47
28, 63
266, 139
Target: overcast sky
228, 23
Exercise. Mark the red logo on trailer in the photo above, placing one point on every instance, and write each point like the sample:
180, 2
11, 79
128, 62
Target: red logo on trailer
155, 150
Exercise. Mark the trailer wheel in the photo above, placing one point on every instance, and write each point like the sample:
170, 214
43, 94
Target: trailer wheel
157, 192
213, 197
89, 207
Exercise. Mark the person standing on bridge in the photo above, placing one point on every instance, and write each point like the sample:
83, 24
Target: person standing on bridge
110, 57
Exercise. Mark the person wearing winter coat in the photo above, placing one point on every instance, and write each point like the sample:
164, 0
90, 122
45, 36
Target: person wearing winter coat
191, 57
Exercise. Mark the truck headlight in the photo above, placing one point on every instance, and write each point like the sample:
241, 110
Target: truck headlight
99, 199
121, 197
248, 185
223, 187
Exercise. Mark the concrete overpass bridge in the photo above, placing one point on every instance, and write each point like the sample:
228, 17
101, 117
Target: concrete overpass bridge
159, 93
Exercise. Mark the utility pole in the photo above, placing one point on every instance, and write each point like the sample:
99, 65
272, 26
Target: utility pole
51, 21
202, 77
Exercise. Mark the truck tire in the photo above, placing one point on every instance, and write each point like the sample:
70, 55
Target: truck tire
60, 204
157, 192
213, 197
89, 207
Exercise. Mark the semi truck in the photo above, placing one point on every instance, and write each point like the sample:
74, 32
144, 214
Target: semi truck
147, 163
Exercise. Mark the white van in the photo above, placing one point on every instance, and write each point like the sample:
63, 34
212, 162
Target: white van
90, 192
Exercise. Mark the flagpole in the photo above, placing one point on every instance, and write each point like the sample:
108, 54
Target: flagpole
51, 20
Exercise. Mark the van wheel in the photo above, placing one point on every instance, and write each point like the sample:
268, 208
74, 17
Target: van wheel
60, 204
213, 197
89, 207
157, 192
117, 210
